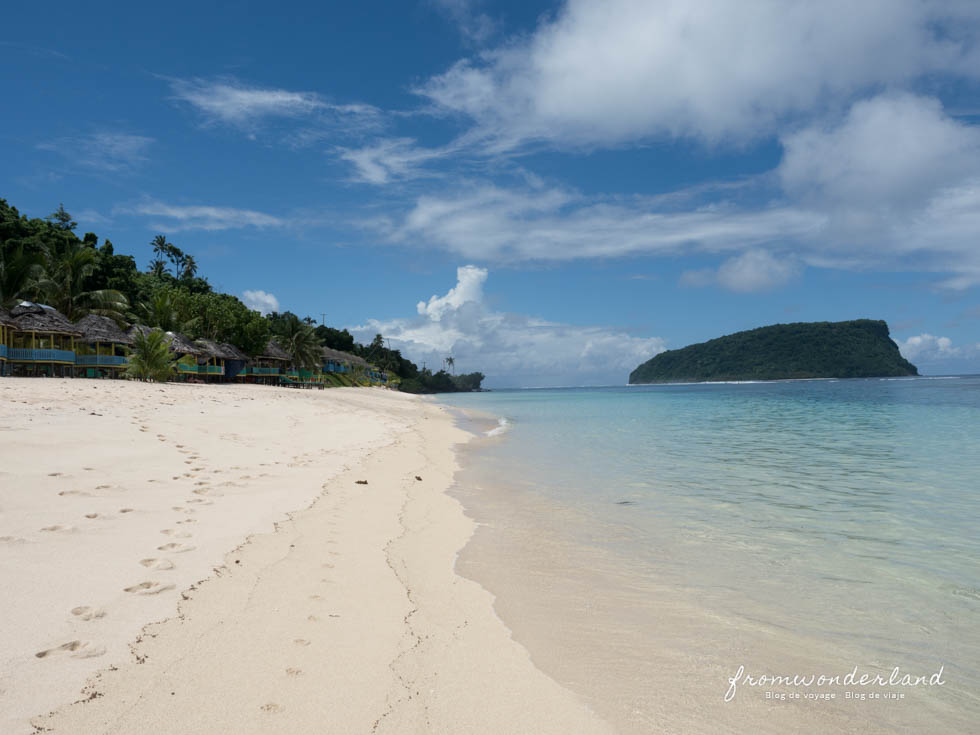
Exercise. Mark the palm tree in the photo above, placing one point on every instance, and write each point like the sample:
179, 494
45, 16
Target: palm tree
151, 358
164, 310
188, 268
19, 272
302, 344
451, 362
62, 283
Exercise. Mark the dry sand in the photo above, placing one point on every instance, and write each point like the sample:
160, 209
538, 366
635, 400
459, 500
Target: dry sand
123, 504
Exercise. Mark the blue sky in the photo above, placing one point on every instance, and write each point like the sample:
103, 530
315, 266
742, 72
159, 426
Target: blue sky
550, 192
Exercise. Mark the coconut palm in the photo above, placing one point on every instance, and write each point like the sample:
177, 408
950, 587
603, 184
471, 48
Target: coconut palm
151, 358
451, 362
166, 311
64, 271
301, 342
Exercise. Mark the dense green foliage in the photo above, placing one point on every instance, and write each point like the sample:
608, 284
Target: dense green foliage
44, 260
442, 382
854, 349
150, 358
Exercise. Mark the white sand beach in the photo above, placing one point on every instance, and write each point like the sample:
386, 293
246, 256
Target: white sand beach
241, 559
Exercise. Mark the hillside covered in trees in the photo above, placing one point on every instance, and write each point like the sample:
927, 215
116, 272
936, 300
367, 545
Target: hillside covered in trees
854, 349
45, 261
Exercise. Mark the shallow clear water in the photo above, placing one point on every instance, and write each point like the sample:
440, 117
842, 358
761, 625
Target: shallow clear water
843, 511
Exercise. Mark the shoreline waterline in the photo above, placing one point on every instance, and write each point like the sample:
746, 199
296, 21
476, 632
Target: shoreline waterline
639, 604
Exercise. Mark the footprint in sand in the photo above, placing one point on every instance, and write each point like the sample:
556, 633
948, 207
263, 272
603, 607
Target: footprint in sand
148, 588
195, 500
12, 540
76, 492
301, 642
271, 708
188, 520
84, 612
294, 672
176, 548
102, 487
125, 510
75, 649
54, 474
92, 515
58, 527
161, 564
175, 533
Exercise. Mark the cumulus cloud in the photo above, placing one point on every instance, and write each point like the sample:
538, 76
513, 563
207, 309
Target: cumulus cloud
892, 183
511, 349
176, 218
753, 270
261, 301
927, 347
623, 70
107, 151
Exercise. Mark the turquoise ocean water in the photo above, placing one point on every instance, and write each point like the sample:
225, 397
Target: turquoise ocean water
840, 515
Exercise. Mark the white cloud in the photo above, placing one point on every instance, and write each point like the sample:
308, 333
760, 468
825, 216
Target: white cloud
491, 222
260, 301
111, 152
468, 288
753, 270
391, 159
623, 70
231, 102
474, 24
511, 349
927, 347
176, 218
891, 152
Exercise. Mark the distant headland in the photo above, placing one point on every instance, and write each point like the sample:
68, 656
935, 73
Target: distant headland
861, 348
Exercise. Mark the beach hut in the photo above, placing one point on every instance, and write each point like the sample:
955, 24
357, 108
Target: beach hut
187, 354
236, 362
335, 361
42, 341
6, 332
212, 362
269, 366
102, 349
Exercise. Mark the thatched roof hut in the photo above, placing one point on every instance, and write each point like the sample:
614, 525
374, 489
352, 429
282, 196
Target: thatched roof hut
5, 319
30, 317
181, 345
95, 328
343, 357
208, 348
273, 351
234, 352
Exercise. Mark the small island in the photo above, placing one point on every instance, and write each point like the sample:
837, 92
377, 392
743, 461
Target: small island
861, 348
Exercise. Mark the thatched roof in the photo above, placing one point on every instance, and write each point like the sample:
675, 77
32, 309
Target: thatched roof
347, 357
213, 349
29, 317
5, 318
273, 351
234, 352
96, 328
181, 345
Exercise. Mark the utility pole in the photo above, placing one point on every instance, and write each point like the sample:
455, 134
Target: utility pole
323, 318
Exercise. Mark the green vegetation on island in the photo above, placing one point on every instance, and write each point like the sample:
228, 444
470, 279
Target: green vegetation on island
46, 262
854, 349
